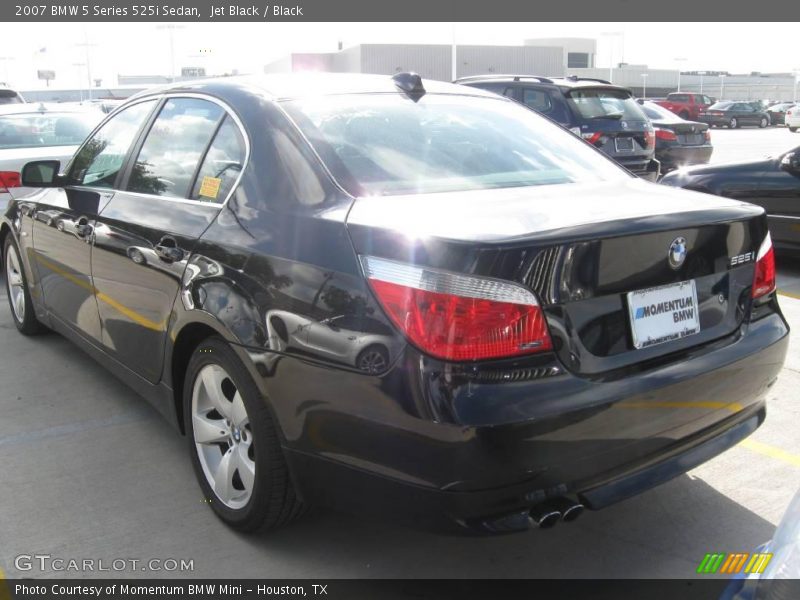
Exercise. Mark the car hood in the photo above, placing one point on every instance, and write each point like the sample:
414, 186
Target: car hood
497, 215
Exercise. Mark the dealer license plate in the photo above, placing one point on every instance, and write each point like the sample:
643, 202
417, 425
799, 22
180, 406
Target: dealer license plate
663, 314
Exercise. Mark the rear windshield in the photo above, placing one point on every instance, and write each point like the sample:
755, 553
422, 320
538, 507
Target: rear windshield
387, 144
721, 106
678, 97
605, 104
10, 97
29, 130
658, 113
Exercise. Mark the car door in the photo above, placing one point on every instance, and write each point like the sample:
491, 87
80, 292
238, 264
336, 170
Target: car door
178, 177
779, 194
747, 114
64, 220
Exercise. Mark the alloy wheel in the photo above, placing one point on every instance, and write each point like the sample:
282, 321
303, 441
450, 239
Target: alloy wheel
223, 437
15, 284
372, 361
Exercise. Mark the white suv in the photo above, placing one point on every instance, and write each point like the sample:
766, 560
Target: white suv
793, 118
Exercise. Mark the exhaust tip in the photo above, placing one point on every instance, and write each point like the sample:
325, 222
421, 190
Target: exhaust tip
572, 513
545, 518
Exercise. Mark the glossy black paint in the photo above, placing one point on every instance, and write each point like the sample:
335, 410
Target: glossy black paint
429, 439
690, 146
771, 183
734, 115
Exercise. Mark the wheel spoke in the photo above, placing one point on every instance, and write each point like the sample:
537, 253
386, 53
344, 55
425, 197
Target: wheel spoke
238, 413
212, 382
15, 279
223, 478
246, 467
209, 431
19, 306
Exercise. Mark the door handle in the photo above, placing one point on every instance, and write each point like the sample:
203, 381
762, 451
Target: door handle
168, 251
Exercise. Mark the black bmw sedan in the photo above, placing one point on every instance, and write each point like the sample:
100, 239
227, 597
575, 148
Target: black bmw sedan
772, 183
545, 332
734, 115
678, 142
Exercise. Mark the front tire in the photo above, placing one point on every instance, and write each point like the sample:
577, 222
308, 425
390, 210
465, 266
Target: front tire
19, 297
234, 444
763, 123
373, 359
733, 123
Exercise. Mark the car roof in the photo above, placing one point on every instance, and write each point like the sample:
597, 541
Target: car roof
282, 86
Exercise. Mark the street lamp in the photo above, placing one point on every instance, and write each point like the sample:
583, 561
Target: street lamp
679, 60
644, 85
701, 73
610, 35
171, 29
87, 45
722, 77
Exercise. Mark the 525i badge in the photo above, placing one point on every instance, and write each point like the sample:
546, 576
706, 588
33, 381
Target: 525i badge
740, 259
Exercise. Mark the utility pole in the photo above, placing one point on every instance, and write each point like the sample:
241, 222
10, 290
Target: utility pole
171, 29
86, 45
611, 35
644, 85
679, 60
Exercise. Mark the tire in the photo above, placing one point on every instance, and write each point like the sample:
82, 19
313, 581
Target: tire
793, 129
255, 491
733, 123
683, 115
373, 359
19, 297
763, 123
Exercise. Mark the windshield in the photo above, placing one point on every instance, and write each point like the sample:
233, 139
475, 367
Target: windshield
386, 144
605, 104
29, 130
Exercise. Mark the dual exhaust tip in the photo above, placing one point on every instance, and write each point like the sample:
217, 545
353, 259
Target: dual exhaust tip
547, 514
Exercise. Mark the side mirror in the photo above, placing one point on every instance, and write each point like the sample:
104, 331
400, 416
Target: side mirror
791, 162
41, 173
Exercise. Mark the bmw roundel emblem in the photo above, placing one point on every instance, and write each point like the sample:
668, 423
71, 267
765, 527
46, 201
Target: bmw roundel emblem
677, 252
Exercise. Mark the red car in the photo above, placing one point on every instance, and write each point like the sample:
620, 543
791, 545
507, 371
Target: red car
686, 105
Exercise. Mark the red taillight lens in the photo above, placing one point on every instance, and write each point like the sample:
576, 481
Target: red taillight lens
666, 135
9, 179
592, 138
764, 278
458, 317
650, 138
708, 135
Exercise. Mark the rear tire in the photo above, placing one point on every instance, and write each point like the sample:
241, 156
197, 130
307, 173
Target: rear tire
793, 129
373, 359
234, 444
19, 297
733, 123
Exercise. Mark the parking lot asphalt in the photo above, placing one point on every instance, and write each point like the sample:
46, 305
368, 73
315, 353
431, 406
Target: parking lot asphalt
90, 471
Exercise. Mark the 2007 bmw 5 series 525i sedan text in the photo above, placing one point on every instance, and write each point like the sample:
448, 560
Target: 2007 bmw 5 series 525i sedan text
396, 296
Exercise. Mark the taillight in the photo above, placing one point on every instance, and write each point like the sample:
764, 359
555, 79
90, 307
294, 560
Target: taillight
666, 135
764, 278
592, 138
708, 135
458, 317
9, 179
650, 138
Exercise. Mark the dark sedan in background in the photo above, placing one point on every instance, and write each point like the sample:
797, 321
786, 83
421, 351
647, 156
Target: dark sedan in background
678, 142
773, 183
734, 115
531, 363
777, 112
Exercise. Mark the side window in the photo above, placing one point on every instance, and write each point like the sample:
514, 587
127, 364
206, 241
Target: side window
100, 159
706, 100
221, 166
538, 100
173, 147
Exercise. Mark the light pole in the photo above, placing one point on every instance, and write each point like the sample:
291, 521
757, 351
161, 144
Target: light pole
80, 66
644, 85
86, 45
701, 73
722, 77
611, 35
796, 78
679, 60
171, 29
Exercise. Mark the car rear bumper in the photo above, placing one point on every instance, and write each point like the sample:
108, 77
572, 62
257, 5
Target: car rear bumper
711, 120
419, 445
678, 156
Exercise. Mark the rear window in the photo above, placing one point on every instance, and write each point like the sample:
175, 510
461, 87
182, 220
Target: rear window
721, 106
31, 130
678, 97
605, 104
10, 97
386, 144
658, 113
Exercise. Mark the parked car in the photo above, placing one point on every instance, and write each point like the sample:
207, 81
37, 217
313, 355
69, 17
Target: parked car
792, 118
562, 331
604, 115
772, 183
34, 131
9, 96
686, 105
733, 115
777, 112
678, 142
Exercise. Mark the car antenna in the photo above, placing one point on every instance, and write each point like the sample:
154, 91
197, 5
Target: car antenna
410, 84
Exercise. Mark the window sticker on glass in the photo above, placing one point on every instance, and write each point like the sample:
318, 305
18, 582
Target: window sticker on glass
210, 187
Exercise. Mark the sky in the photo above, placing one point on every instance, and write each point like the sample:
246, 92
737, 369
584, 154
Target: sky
116, 49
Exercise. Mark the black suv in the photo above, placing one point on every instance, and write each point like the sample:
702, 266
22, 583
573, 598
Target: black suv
603, 114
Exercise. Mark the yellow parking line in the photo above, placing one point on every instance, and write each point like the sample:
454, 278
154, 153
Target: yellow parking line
771, 451
789, 295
